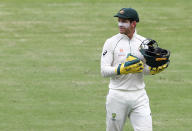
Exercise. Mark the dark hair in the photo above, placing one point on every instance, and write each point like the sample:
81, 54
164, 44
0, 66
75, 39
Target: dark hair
131, 20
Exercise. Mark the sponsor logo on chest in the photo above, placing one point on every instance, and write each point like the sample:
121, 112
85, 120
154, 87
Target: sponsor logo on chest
121, 52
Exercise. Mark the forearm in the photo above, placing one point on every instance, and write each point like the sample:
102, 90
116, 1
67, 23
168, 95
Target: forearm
108, 71
132, 64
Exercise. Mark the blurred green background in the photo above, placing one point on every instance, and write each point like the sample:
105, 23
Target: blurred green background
50, 63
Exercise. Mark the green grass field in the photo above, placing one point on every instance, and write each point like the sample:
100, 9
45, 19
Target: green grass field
50, 63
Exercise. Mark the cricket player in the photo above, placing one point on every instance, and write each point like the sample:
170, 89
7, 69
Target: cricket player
122, 61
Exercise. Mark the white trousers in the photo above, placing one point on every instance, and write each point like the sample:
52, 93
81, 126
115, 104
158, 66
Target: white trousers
134, 105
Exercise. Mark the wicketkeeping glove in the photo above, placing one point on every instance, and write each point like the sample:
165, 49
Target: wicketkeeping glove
132, 64
155, 70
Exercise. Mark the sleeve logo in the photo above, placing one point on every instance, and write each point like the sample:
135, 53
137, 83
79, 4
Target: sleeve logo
105, 52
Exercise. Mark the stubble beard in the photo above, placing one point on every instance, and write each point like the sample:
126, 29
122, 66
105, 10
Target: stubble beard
124, 31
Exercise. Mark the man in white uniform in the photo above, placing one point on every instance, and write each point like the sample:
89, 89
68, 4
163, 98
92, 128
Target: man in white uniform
122, 61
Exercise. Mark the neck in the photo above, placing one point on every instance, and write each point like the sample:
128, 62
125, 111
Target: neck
130, 35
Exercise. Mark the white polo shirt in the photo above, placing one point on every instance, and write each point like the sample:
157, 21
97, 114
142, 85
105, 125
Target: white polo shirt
114, 52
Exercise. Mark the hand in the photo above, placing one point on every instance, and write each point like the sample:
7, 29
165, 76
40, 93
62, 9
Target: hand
155, 70
132, 64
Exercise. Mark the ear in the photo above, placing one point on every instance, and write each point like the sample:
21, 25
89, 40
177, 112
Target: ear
133, 24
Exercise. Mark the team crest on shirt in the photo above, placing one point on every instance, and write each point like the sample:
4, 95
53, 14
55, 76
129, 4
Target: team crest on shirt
114, 116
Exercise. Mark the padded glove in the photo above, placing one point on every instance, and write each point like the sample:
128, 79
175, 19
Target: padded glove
132, 64
155, 70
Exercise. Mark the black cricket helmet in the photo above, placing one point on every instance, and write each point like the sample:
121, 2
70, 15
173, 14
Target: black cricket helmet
154, 55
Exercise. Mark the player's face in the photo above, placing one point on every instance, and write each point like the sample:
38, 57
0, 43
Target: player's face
125, 27
123, 24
